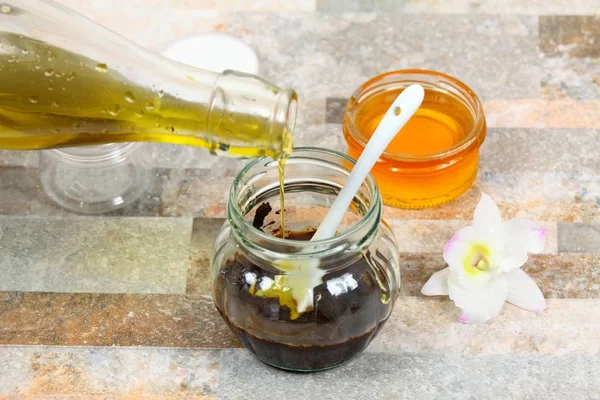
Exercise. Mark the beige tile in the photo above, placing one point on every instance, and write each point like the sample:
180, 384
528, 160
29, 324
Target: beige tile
571, 36
430, 236
579, 238
88, 372
424, 325
518, 150
569, 77
443, 375
529, 7
242, 5
539, 196
560, 276
535, 113
94, 255
80, 319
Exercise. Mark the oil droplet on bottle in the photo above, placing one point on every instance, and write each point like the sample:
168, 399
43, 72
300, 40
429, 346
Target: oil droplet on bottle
76, 125
5, 9
149, 106
129, 97
55, 104
101, 67
71, 76
11, 59
50, 88
139, 115
24, 52
33, 100
37, 67
161, 93
51, 56
49, 72
64, 89
114, 110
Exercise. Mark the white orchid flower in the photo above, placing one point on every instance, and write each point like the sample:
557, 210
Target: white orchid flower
484, 265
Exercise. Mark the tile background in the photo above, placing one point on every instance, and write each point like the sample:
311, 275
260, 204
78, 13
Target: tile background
120, 306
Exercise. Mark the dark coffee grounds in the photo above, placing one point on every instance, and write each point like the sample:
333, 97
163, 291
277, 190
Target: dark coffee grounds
341, 325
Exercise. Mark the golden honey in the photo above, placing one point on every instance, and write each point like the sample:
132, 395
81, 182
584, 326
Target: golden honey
435, 157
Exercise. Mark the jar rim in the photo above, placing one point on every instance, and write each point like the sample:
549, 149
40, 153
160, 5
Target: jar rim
434, 79
372, 216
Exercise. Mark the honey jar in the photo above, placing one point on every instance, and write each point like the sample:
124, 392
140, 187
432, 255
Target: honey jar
435, 157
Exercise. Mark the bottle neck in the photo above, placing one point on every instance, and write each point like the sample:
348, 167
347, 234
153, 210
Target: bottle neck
243, 107
67, 82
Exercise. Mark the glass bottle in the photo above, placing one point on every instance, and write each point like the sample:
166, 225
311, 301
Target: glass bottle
66, 81
361, 264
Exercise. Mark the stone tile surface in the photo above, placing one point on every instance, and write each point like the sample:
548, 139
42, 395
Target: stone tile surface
79, 319
14, 373
531, 7
97, 255
573, 197
347, 49
563, 113
238, 5
195, 193
534, 64
430, 236
564, 276
417, 376
335, 108
192, 320
578, 238
105, 371
15, 158
204, 233
21, 193
430, 325
572, 36
547, 150
576, 78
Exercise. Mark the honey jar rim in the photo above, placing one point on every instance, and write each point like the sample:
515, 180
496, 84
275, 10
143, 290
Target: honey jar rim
407, 77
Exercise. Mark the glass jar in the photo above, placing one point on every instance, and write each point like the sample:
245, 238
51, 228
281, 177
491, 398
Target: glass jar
359, 267
435, 157
96, 179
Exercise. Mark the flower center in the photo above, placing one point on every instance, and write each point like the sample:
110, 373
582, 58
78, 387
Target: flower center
480, 262
477, 260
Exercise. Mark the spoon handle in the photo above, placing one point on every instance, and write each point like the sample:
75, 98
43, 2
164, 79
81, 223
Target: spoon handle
401, 110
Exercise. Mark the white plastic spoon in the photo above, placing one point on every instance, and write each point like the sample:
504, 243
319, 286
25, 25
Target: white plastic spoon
305, 274
401, 110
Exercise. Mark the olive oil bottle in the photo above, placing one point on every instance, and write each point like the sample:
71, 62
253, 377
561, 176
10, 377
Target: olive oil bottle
66, 81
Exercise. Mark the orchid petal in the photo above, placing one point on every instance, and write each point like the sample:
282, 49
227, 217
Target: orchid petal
455, 248
487, 216
524, 292
479, 305
524, 235
513, 260
521, 237
437, 285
